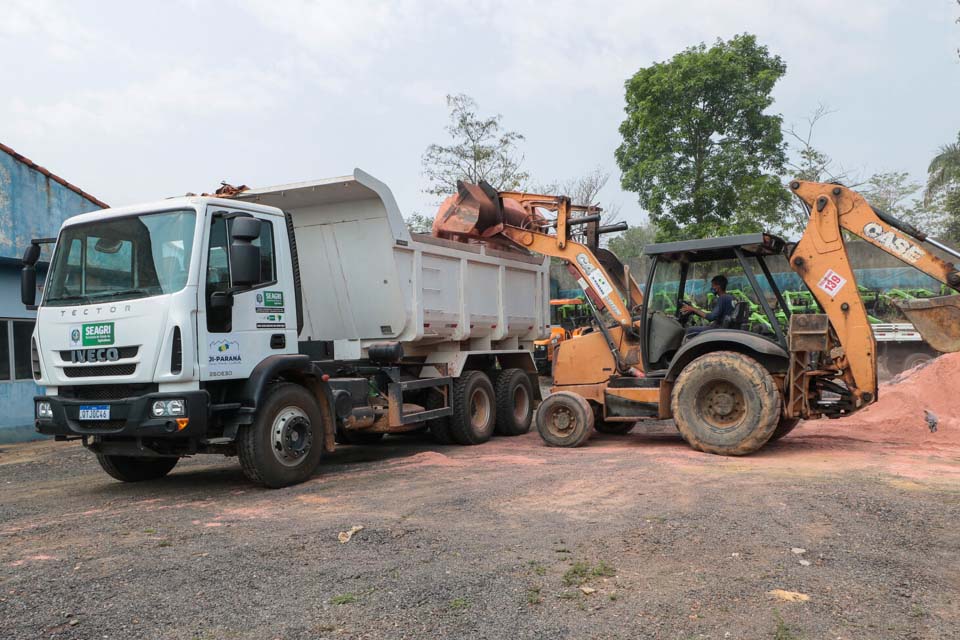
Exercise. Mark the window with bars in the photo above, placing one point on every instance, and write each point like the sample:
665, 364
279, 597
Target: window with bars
15, 349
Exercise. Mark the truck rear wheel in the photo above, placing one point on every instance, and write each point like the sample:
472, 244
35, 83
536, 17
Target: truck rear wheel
726, 403
284, 444
136, 469
474, 409
514, 394
564, 419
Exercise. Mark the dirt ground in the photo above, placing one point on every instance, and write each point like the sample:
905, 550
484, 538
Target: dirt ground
631, 536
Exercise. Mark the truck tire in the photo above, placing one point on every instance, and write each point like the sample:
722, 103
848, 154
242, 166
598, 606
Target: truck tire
136, 469
474, 409
611, 428
911, 360
514, 394
439, 427
284, 444
564, 419
726, 403
785, 426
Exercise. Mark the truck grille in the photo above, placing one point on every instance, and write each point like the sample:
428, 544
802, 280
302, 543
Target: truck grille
94, 370
107, 391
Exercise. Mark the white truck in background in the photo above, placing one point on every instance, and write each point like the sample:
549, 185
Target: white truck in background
900, 346
273, 323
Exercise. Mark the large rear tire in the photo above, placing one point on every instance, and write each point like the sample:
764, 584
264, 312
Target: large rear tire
514, 394
136, 469
564, 419
474, 409
284, 444
726, 403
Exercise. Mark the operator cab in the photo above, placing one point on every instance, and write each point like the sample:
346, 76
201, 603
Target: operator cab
680, 274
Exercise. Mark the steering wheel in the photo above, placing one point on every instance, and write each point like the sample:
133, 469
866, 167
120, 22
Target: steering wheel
684, 316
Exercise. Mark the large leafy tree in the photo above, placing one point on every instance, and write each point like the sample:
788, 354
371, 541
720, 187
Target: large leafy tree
943, 187
698, 146
479, 149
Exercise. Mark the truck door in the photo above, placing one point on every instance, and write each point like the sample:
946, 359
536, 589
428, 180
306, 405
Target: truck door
238, 328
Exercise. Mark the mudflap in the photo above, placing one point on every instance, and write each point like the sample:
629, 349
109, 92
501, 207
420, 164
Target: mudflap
937, 320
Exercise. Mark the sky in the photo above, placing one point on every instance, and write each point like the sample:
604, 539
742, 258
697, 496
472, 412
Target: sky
134, 101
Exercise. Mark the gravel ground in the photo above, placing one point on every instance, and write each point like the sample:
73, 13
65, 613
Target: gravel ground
629, 537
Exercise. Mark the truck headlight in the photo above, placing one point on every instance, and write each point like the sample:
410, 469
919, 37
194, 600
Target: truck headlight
44, 410
168, 408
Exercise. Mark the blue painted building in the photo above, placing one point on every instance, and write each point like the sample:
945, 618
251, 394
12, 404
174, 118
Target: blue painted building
33, 204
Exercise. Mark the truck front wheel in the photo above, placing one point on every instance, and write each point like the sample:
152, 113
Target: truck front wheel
284, 444
726, 403
136, 469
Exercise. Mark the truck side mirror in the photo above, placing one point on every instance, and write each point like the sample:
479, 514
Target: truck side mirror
244, 255
28, 275
28, 285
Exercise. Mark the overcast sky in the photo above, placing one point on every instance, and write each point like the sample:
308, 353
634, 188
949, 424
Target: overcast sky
133, 101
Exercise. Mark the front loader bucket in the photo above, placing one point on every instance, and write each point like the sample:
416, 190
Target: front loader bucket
937, 320
469, 213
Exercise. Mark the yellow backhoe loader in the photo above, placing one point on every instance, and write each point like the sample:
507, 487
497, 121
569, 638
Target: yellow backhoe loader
730, 389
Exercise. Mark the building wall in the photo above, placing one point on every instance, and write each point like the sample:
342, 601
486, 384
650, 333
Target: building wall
32, 205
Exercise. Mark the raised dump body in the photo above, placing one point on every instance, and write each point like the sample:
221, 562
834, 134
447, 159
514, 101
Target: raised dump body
370, 280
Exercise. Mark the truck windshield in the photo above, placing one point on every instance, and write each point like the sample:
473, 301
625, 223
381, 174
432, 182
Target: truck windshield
121, 258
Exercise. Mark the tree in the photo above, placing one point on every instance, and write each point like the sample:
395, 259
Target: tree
584, 190
479, 149
631, 242
810, 164
943, 187
698, 147
895, 193
419, 223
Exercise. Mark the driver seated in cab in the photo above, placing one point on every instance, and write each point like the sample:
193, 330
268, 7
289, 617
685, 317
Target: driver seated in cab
723, 306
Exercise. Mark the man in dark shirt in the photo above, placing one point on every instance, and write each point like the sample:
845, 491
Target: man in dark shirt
723, 304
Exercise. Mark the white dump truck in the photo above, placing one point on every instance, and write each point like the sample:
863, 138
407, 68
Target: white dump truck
271, 324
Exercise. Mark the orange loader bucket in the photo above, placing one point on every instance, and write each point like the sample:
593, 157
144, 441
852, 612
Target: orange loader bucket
937, 320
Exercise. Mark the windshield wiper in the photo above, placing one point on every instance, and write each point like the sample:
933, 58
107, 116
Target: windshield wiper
124, 292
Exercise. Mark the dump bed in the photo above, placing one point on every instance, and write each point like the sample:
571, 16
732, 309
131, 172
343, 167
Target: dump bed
365, 278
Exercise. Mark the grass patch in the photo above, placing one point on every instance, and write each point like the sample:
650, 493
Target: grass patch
344, 598
603, 570
149, 530
533, 595
566, 595
164, 543
459, 603
783, 631
537, 568
613, 596
577, 574
581, 572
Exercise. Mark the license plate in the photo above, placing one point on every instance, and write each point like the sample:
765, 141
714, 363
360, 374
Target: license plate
95, 412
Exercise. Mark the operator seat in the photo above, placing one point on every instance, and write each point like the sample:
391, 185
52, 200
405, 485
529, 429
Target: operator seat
739, 318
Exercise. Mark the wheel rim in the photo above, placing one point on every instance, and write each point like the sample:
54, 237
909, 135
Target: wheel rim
560, 421
479, 410
521, 404
291, 436
721, 403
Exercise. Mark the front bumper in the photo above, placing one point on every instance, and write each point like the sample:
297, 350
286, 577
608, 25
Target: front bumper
129, 417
